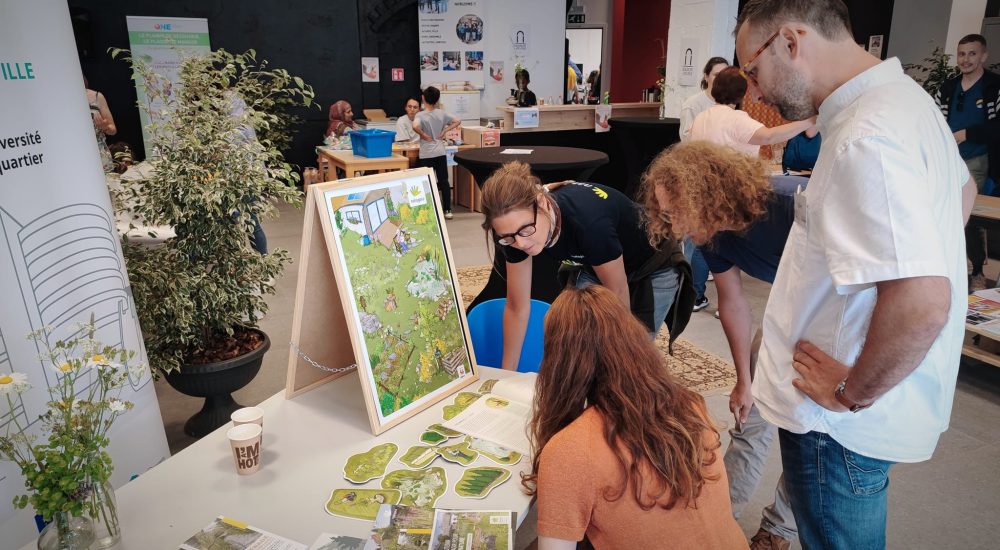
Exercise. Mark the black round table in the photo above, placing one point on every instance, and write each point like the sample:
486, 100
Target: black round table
547, 162
641, 139
550, 164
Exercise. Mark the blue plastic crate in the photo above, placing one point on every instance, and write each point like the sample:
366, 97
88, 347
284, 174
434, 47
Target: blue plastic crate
372, 143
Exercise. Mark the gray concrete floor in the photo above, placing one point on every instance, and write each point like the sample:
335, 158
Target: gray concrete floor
950, 501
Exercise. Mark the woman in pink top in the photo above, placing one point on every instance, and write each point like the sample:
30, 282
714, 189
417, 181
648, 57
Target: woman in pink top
724, 124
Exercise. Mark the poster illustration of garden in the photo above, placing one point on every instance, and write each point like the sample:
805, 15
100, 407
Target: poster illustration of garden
401, 291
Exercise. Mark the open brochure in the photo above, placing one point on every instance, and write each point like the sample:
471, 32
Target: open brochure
401, 528
984, 311
473, 530
329, 541
229, 533
501, 414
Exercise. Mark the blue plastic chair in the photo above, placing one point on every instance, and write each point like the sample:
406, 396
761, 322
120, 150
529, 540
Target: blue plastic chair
486, 330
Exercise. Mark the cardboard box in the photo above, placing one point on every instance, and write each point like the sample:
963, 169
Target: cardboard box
375, 114
481, 136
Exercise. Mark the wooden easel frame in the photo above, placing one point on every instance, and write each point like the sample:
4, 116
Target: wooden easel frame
321, 328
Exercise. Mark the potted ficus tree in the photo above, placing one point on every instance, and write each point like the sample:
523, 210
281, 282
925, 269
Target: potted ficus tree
216, 172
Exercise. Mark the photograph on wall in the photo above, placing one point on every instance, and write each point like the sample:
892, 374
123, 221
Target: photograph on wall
369, 69
496, 71
469, 29
397, 282
428, 61
875, 45
473, 61
431, 7
451, 61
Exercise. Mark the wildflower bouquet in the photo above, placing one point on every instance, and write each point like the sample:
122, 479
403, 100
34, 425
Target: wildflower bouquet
63, 467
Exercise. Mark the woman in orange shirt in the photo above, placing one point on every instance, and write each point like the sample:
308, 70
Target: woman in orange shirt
623, 453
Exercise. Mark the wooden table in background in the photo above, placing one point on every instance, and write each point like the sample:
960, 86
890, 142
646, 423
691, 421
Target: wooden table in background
986, 208
331, 159
409, 149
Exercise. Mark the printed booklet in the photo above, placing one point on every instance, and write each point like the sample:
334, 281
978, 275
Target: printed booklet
473, 530
401, 528
229, 533
500, 414
984, 311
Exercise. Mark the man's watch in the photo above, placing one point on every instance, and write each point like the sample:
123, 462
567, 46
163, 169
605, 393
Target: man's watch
851, 405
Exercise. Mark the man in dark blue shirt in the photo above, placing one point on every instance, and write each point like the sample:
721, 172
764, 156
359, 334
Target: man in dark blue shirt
969, 103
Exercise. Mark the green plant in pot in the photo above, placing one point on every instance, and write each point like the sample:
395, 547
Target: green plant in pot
199, 294
933, 72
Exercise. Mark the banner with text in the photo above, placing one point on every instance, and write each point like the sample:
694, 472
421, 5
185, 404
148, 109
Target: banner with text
451, 43
163, 42
61, 253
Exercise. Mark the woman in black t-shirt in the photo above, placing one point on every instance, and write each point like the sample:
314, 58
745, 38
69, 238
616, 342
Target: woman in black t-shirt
586, 223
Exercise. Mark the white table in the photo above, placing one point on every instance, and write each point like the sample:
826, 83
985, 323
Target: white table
307, 440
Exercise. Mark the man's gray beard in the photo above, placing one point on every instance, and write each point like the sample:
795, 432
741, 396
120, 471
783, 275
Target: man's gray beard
796, 111
794, 102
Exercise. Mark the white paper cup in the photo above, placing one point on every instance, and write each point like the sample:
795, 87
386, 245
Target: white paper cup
245, 442
248, 415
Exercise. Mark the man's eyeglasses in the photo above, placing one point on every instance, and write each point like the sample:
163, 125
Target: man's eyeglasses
525, 230
745, 69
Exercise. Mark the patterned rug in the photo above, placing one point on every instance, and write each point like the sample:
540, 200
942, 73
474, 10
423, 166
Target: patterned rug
696, 368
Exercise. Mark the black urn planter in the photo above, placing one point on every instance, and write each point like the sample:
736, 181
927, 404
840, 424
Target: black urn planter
216, 382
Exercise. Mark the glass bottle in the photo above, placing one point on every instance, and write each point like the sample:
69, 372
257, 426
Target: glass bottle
67, 532
103, 509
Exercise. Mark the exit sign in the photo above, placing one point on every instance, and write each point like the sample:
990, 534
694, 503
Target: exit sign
577, 18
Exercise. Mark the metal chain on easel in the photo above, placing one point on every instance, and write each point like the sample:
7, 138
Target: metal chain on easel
307, 359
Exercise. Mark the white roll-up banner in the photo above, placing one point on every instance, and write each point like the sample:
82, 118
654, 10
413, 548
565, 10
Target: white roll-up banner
60, 255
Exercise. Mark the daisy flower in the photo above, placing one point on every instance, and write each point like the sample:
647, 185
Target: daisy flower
63, 368
15, 382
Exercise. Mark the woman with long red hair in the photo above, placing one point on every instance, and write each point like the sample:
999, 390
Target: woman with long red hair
623, 453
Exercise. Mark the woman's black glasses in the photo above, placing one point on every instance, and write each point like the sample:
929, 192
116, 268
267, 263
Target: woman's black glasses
525, 230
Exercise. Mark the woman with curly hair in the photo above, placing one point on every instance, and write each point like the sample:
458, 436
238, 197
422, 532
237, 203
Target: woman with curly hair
592, 225
727, 203
622, 453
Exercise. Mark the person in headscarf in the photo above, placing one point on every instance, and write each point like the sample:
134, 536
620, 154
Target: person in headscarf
341, 119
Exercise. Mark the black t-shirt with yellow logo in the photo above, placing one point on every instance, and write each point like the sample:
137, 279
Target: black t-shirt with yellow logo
598, 225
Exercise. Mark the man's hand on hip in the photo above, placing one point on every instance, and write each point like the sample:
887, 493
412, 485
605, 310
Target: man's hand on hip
820, 375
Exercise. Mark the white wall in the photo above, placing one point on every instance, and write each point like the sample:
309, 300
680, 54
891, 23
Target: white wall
585, 48
966, 18
919, 26
546, 22
711, 22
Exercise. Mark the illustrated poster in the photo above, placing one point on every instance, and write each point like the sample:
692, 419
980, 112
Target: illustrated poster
401, 294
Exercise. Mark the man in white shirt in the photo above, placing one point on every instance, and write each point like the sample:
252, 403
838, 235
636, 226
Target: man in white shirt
863, 329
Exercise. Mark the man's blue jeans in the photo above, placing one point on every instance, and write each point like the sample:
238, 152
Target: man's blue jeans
838, 496
699, 268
